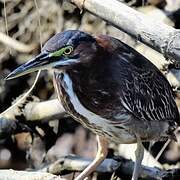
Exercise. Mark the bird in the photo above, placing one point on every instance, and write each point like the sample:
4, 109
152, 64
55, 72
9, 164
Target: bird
109, 88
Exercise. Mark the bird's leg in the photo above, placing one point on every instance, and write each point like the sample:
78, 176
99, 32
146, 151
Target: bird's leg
139, 153
100, 156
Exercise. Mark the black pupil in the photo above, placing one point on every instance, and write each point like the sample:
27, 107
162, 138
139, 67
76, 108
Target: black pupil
67, 51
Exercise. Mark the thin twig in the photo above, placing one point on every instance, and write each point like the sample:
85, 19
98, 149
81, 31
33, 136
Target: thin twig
162, 149
22, 98
6, 22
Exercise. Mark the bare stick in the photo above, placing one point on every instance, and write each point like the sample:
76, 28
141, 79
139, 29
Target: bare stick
21, 175
155, 34
46, 110
37, 111
6, 23
18, 46
75, 163
71, 163
162, 149
120, 165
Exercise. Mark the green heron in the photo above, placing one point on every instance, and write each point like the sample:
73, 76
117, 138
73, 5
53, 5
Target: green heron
110, 89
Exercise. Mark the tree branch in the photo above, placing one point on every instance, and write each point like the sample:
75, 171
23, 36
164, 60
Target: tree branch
37, 111
31, 111
21, 175
13, 43
120, 165
46, 110
163, 38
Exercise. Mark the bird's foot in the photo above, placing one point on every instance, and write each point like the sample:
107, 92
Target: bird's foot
100, 156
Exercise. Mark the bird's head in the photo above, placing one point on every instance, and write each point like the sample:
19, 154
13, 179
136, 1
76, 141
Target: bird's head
63, 51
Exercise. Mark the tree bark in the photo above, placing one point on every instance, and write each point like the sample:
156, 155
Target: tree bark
23, 175
161, 37
17, 45
120, 165
37, 111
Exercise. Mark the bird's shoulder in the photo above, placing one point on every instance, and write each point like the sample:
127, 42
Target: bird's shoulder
143, 89
125, 52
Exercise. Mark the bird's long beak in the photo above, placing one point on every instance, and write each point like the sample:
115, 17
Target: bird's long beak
43, 61
40, 62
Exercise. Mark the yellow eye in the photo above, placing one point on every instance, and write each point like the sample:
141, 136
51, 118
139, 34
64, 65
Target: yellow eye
68, 50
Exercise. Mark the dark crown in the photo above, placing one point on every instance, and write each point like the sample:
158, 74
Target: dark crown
70, 37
